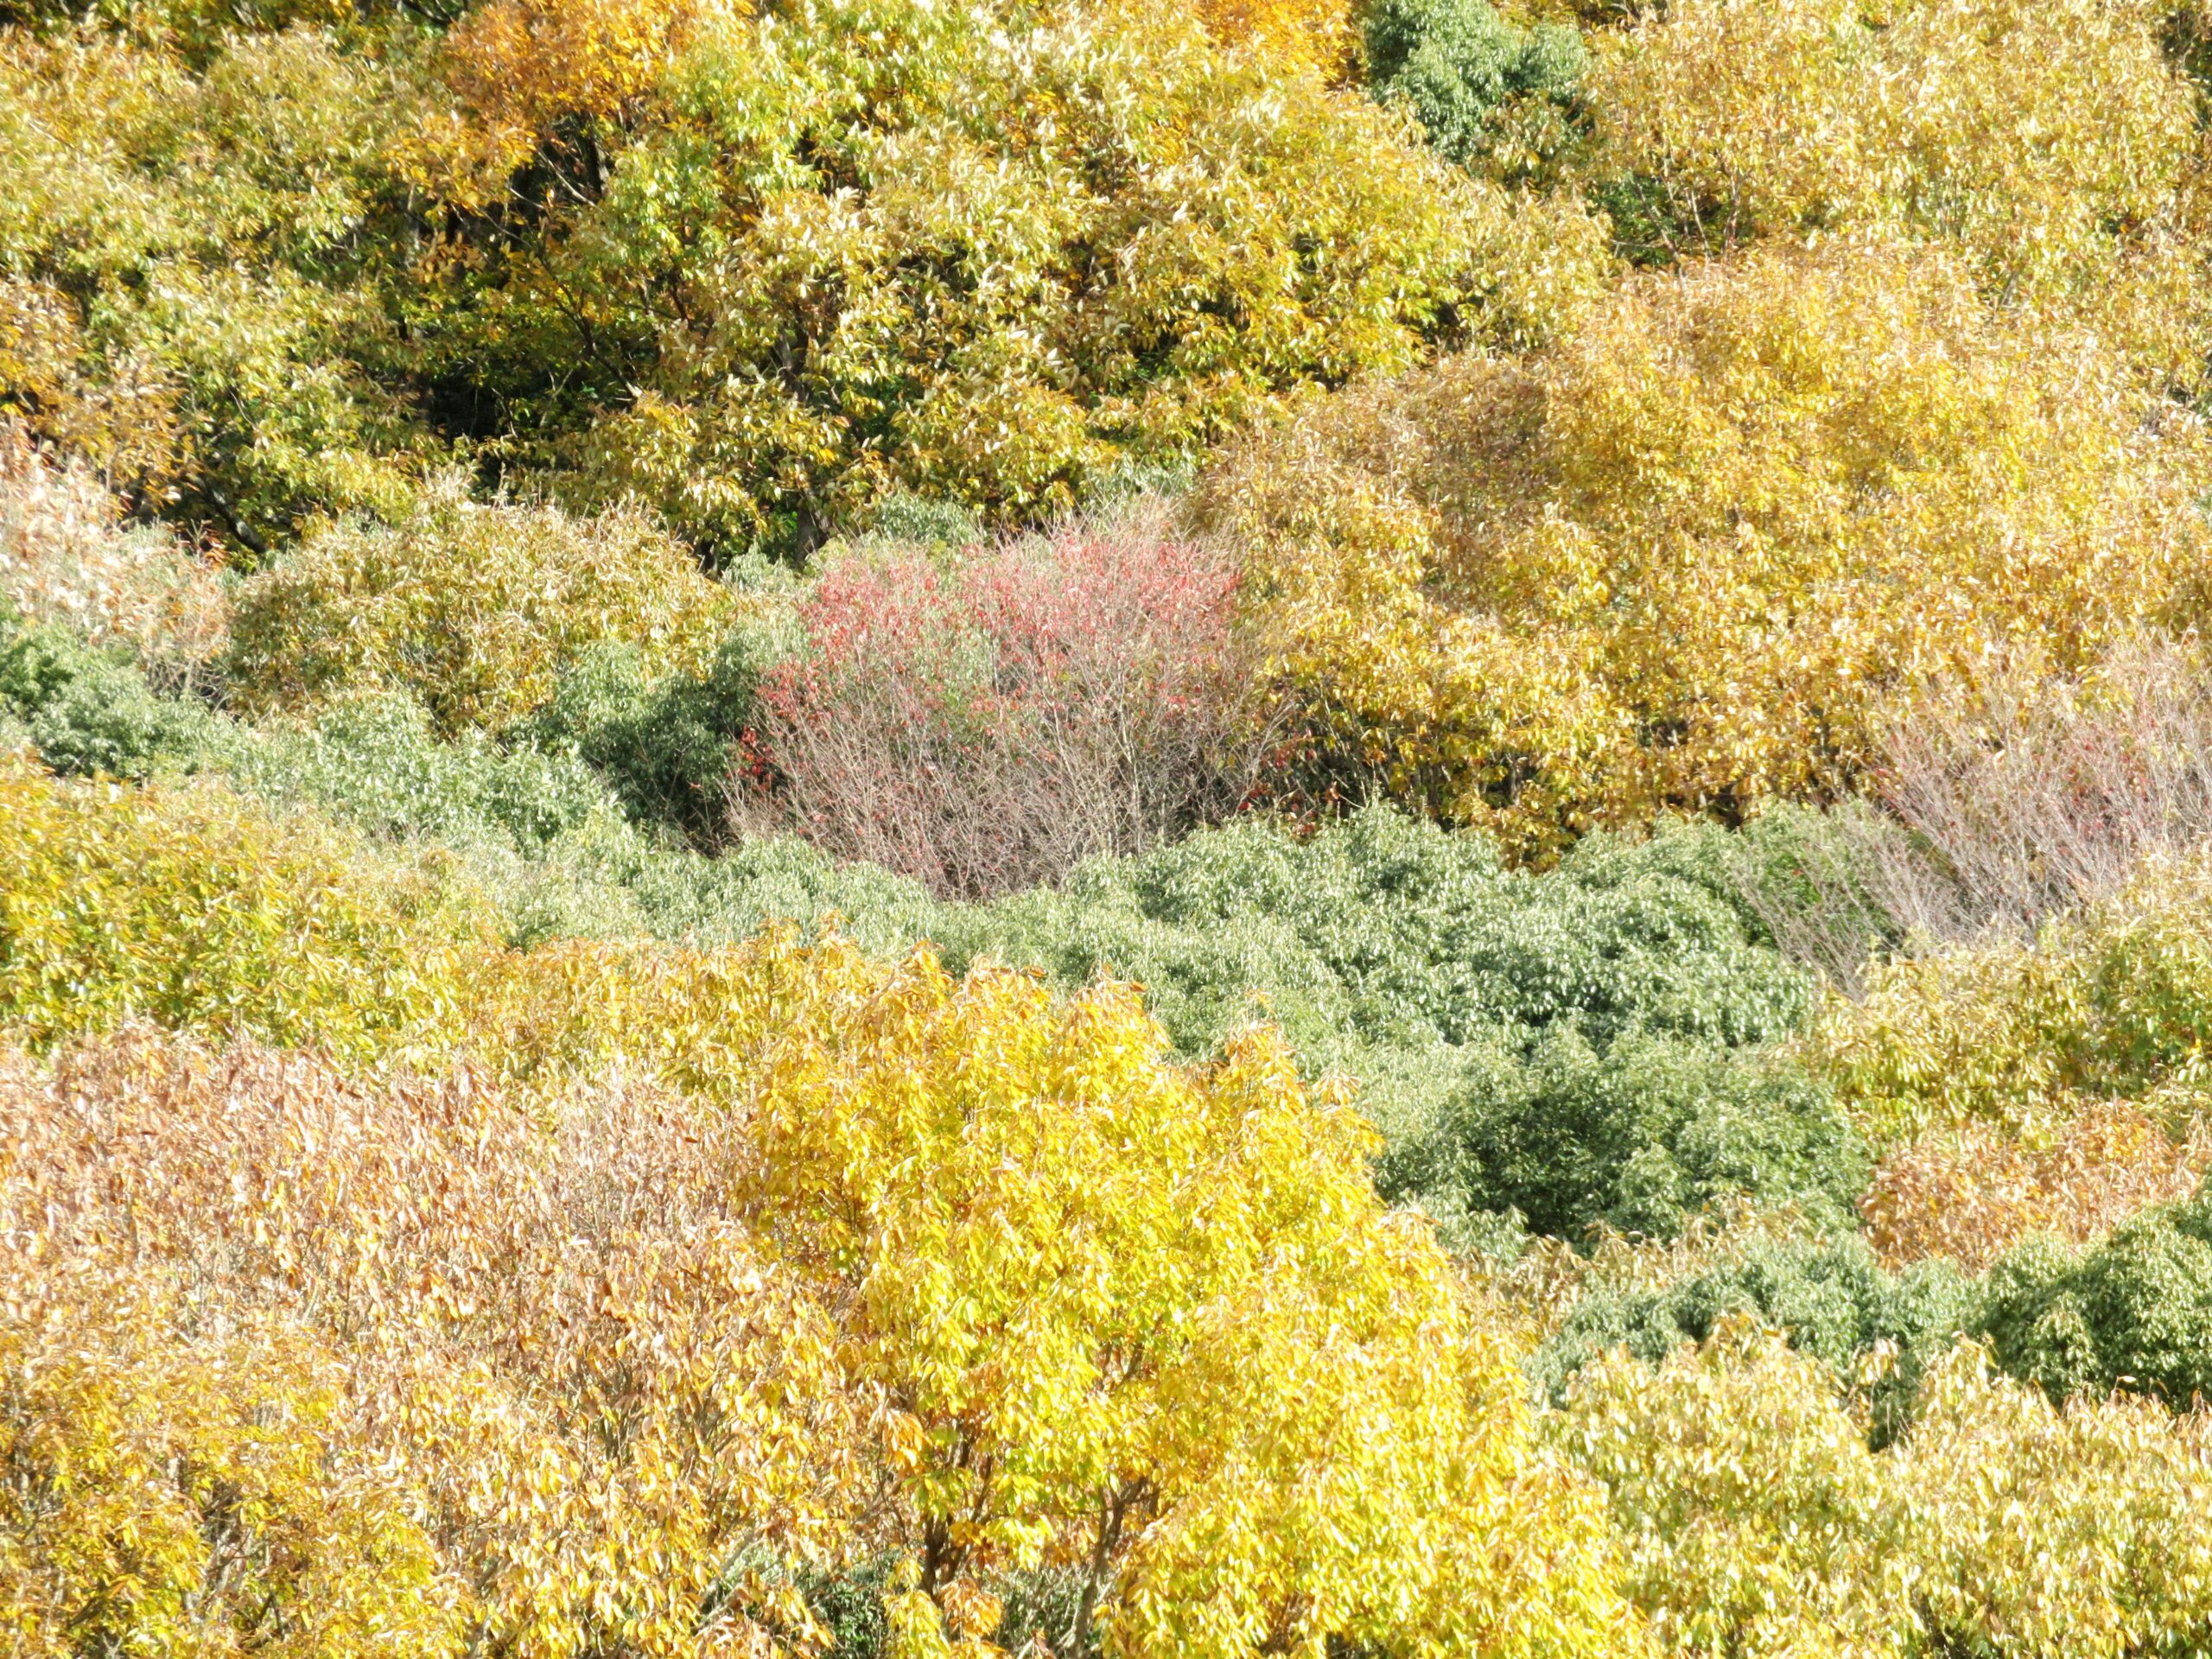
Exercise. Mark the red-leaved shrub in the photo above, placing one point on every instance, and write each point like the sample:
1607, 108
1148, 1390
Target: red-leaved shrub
985, 724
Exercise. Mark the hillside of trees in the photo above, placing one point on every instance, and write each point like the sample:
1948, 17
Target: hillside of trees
1082, 829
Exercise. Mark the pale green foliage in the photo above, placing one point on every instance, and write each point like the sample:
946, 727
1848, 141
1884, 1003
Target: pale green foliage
2112, 1000
1755, 1513
187, 298
373, 761
1998, 1487
472, 608
1759, 1523
1575, 1046
87, 710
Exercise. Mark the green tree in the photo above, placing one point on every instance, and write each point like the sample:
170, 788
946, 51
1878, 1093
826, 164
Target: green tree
1465, 72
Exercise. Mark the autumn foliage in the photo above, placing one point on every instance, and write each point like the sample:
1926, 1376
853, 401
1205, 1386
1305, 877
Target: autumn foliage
1695, 556
986, 726
1969, 1194
472, 609
2055, 144
872, 830
945, 1270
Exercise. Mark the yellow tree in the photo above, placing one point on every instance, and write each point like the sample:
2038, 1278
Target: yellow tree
2054, 140
1696, 556
1154, 1325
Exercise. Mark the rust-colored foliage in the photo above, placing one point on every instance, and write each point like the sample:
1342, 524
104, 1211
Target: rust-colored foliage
1971, 1194
553, 1351
551, 1346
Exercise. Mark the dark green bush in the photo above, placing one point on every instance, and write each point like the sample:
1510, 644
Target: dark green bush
88, 711
664, 744
849, 1605
1393, 931
1567, 1044
1830, 1295
1461, 68
2134, 1311
1637, 1136
1040, 1605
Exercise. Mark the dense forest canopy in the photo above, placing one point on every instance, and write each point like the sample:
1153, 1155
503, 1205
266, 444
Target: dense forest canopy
898, 830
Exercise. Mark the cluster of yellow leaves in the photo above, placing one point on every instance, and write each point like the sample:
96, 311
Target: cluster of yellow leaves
1759, 1522
184, 906
2111, 1001
521, 66
1048, 244
2048, 137
190, 1497
1695, 555
1070, 1267
859, 1261
125, 421
1970, 1194
1321, 34
472, 608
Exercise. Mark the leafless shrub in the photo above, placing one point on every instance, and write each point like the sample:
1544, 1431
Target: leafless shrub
2003, 799
2034, 794
1831, 888
985, 724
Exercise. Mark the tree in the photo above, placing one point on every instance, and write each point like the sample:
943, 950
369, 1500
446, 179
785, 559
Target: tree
1464, 71
1700, 554
866, 243
1152, 1324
